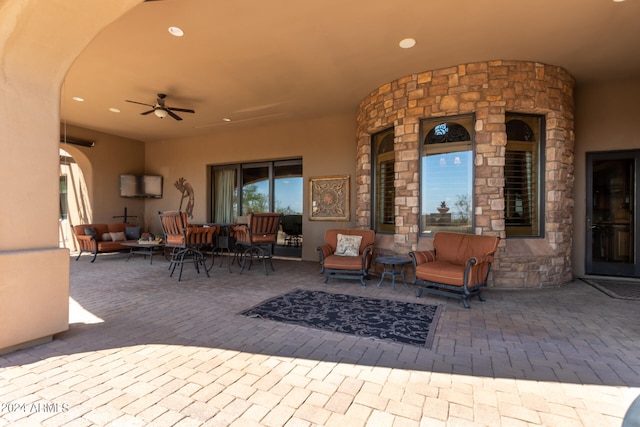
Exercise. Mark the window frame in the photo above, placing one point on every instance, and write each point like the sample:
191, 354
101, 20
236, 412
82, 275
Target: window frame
468, 121
376, 140
237, 206
539, 130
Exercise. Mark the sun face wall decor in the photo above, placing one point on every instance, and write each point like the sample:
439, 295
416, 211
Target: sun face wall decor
329, 198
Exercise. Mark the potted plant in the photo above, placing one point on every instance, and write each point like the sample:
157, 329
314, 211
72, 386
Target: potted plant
443, 207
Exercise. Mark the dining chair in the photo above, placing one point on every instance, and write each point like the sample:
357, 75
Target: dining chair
185, 242
260, 233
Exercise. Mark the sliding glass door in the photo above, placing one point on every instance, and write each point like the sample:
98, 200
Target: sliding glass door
277, 186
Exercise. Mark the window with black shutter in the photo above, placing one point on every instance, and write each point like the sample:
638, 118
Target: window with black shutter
522, 173
384, 193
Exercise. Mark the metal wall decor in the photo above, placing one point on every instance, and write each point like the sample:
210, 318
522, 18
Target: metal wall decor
187, 193
329, 198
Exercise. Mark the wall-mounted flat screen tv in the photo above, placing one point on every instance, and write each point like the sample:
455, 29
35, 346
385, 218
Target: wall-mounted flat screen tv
149, 186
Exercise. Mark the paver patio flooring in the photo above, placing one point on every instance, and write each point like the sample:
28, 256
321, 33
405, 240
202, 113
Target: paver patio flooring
143, 349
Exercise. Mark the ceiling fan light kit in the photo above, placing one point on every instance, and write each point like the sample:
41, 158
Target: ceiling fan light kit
161, 110
160, 113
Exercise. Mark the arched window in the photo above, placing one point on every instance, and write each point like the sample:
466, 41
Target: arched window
447, 175
523, 171
383, 160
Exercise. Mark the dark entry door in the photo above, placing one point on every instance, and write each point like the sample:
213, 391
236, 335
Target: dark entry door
612, 240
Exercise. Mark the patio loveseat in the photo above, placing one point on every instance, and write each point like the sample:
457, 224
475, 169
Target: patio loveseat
103, 238
457, 267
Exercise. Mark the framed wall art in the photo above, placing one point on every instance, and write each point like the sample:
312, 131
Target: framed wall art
329, 198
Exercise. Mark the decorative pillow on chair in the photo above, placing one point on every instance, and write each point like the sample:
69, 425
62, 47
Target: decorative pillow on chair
106, 237
89, 231
132, 233
118, 237
348, 245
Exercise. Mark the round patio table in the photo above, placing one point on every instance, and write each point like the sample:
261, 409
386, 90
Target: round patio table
393, 266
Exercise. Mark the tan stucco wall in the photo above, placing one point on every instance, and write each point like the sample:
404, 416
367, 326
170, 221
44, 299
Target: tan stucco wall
606, 120
36, 51
106, 160
326, 145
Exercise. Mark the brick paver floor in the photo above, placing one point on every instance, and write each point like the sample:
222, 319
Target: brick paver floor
143, 349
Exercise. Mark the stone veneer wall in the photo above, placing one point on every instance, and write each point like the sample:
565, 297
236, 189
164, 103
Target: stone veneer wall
488, 90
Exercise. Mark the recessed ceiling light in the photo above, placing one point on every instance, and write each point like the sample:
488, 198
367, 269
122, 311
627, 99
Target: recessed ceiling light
175, 31
77, 98
114, 110
618, 1
407, 43
226, 119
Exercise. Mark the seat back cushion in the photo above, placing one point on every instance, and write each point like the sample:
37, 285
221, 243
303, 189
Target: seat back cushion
100, 229
331, 237
457, 248
132, 233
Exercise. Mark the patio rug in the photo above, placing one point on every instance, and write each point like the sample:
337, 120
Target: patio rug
401, 322
621, 289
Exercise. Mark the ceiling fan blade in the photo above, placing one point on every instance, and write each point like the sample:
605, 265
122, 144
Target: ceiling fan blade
172, 114
147, 112
182, 110
141, 103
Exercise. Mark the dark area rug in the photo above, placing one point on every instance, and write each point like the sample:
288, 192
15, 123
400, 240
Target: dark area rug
401, 322
621, 289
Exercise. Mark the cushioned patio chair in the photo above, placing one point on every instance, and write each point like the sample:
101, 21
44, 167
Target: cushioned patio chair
346, 254
457, 267
184, 241
255, 240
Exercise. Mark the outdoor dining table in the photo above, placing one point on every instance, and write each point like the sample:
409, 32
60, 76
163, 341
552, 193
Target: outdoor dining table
224, 239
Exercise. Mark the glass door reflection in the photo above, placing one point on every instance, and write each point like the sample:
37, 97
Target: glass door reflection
610, 222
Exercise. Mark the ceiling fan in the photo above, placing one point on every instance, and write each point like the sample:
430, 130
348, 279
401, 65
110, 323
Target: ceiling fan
161, 110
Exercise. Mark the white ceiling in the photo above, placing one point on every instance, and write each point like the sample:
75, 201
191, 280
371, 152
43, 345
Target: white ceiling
258, 61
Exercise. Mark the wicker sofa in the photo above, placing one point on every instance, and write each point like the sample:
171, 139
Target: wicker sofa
103, 238
344, 265
457, 267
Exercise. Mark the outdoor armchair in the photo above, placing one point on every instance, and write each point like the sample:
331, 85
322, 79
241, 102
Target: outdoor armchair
347, 254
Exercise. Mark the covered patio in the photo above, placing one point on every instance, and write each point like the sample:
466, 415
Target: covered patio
143, 349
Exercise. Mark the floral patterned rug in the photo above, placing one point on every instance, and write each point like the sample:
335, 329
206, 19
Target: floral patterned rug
401, 322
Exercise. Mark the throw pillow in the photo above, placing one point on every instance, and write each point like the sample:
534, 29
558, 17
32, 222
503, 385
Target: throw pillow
106, 237
118, 237
89, 231
348, 245
132, 233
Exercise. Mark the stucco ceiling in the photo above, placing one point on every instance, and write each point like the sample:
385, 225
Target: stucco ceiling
258, 62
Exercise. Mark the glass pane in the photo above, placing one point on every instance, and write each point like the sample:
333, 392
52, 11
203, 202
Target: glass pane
612, 217
384, 180
385, 196
447, 192
522, 175
288, 200
63, 198
255, 190
288, 189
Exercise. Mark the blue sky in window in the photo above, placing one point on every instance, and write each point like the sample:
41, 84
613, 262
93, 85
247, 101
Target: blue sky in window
288, 192
446, 177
